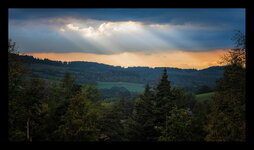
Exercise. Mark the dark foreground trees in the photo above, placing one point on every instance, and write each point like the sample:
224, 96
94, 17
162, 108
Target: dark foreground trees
16, 128
49, 111
162, 115
227, 119
40, 110
226, 122
63, 110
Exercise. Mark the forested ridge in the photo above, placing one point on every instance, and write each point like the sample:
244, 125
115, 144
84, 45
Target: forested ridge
91, 72
66, 110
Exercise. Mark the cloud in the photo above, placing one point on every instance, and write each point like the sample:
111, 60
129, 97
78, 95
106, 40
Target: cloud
124, 36
62, 29
104, 31
71, 27
90, 31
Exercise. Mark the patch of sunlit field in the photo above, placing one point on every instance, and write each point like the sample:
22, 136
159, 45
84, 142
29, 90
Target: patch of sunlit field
204, 96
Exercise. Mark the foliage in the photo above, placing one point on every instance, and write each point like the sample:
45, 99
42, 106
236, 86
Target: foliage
91, 92
191, 98
112, 128
178, 98
163, 101
199, 120
33, 103
204, 89
236, 56
141, 124
69, 85
177, 128
16, 68
81, 121
16, 128
227, 118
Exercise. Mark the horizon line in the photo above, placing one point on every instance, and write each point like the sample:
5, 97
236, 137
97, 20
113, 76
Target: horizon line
70, 61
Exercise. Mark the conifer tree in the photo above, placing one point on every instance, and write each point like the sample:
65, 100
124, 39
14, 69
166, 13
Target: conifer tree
70, 86
163, 103
142, 121
163, 86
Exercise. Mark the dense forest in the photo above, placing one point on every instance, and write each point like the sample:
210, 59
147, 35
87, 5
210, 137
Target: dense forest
69, 110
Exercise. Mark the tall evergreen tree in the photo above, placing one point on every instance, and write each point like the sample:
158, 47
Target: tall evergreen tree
142, 123
70, 86
163, 103
164, 86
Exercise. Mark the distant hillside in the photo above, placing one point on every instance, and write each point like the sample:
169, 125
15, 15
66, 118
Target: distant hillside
91, 72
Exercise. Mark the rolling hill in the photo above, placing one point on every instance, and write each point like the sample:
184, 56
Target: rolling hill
134, 78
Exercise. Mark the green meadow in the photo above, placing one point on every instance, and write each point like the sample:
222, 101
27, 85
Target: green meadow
132, 87
204, 96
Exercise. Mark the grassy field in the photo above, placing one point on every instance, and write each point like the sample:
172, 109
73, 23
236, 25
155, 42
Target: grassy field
132, 87
204, 97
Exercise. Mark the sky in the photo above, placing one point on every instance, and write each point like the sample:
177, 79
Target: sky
182, 38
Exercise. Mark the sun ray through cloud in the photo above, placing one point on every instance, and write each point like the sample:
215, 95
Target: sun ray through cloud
90, 31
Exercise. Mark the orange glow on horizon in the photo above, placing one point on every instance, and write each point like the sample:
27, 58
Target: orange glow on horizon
178, 59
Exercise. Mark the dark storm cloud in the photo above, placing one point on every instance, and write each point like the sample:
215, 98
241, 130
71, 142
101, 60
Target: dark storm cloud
175, 16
